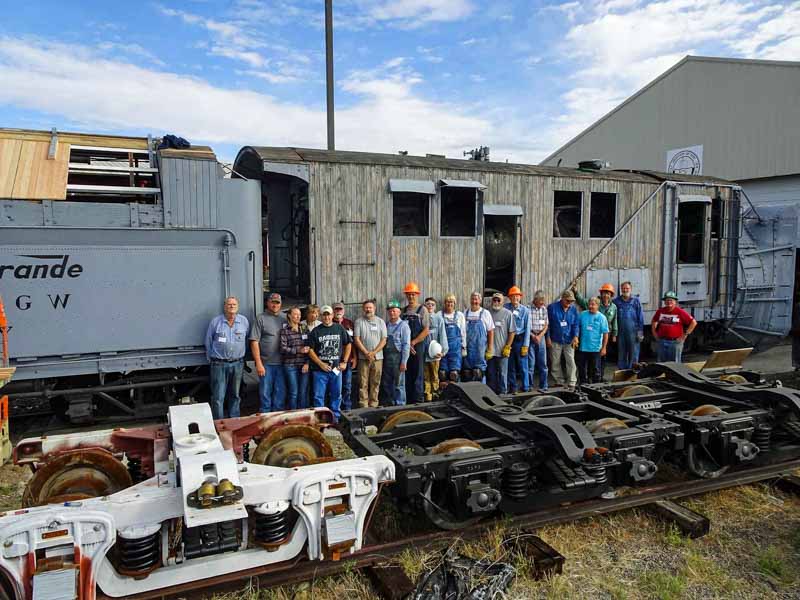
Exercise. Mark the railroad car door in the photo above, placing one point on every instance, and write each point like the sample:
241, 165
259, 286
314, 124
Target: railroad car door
766, 279
501, 224
692, 247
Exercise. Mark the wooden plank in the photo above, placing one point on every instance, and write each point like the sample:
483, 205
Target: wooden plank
5, 374
543, 560
9, 160
38, 177
789, 484
722, 359
110, 169
690, 523
390, 581
111, 189
696, 366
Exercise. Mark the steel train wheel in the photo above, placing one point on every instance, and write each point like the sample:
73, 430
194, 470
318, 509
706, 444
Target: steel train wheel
636, 390
542, 401
436, 497
707, 410
733, 378
292, 446
607, 424
404, 416
76, 475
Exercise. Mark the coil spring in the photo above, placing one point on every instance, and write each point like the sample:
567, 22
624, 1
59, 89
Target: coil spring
598, 472
516, 481
762, 437
246, 452
140, 554
135, 468
271, 529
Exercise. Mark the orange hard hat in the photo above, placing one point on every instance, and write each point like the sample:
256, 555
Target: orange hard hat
607, 287
514, 290
411, 288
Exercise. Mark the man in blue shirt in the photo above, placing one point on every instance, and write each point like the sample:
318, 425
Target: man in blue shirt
518, 362
395, 358
562, 338
226, 341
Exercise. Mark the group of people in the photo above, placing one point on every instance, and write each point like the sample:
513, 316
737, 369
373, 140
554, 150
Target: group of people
417, 349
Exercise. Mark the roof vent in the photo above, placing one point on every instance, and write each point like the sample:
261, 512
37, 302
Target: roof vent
593, 165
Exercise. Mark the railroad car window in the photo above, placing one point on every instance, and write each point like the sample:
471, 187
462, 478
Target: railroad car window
716, 218
459, 216
567, 214
691, 232
602, 215
410, 214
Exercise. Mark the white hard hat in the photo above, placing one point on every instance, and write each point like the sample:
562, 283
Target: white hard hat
434, 348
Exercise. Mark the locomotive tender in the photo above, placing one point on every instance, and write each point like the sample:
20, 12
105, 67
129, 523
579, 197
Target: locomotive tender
113, 259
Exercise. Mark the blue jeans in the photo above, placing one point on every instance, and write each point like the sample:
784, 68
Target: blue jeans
518, 367
347, 388
669, 350
296, 386
332, 384
627, 348
224, 380
272, 389
537, 356
497, 374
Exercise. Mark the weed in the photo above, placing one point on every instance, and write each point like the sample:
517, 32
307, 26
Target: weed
663, 585
771, 563
675, 538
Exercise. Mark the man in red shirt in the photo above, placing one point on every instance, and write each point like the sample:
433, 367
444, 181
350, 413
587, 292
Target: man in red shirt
667, 327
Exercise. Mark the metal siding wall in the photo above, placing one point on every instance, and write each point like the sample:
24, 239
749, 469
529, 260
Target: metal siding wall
717, 104
360, 192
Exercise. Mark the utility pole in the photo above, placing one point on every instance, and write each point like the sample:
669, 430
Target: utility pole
329, 70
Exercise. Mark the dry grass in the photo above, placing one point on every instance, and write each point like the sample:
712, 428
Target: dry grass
751, 552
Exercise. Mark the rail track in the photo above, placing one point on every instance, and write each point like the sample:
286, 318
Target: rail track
378, 552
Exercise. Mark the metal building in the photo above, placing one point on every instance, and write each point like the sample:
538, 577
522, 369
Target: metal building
345, 226
732, 118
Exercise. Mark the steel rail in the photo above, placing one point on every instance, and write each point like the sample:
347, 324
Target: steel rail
300, 570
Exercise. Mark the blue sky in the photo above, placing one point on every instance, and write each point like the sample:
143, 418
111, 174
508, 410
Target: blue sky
438, 76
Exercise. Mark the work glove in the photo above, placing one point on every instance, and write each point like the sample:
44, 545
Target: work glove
463, 352
488, 355
506, 351
524, 351
640, 337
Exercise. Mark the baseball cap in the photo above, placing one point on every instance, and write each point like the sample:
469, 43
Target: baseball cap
497, 295
275, 296
326, 309
392, 304
338, 305
568, 295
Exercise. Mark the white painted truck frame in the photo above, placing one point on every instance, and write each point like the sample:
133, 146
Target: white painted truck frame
61, 551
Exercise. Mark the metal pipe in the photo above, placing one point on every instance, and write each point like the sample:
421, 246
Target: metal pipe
762, 331
619, 232
106, 389
329, 70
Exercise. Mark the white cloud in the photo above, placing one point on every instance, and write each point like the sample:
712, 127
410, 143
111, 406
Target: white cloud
621, 45
134, 50
415, 13
386, 113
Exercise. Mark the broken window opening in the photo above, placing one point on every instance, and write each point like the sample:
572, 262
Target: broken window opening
410, 214
691, 232
603, 215
567, 214
716, 218
459, 216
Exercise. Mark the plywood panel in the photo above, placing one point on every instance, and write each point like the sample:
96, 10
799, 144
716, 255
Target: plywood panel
9, 160
40, 178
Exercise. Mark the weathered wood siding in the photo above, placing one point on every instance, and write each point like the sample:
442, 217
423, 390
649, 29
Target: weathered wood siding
342, 192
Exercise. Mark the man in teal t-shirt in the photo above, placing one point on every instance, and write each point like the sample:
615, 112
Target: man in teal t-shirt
594, 339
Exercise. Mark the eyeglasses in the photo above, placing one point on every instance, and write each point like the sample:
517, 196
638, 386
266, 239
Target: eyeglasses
496, 300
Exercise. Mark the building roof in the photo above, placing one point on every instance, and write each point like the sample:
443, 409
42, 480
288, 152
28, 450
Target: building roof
683, 62
305, 155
